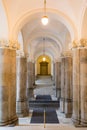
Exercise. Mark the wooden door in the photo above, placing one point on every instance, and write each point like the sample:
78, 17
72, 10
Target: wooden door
44, 68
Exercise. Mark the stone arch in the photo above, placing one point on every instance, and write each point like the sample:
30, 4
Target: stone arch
50, 67
49, 35
63, 18
83, 30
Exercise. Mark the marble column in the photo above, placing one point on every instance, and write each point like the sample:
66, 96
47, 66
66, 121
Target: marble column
53, 78
68, 86
33, 73
62, 99
21, 80
30, 93
7, 87
58, 79
76, 116
83, 86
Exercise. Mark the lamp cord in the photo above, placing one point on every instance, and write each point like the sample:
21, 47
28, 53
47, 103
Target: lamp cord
45, 7
44, 46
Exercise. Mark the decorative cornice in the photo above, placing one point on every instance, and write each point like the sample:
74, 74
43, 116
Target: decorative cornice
82, 43
11, 44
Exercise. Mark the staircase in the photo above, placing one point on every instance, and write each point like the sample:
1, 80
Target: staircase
43, 101
43, 104
44, 80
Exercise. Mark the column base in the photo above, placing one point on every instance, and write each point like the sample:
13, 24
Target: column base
68, 108
22, 108
79, 123
84, 123
76, 122
62, 105
11, 122
68, 115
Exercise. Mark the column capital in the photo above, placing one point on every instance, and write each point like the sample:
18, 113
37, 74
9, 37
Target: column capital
65, 54
10, 44
78, 44
20, 53
58, 59
29, 59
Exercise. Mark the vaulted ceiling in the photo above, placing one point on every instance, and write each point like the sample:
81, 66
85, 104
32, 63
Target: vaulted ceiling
63, 27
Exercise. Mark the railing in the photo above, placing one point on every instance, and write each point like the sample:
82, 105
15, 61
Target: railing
44, 119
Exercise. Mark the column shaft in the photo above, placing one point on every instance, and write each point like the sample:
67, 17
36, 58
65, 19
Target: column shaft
83, 85
58, 79
21, 80
30, 80
33, 73
62, 100
53, 78
76, 117
7, 86
68, 86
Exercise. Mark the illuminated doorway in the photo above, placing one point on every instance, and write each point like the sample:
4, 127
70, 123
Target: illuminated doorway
43, 68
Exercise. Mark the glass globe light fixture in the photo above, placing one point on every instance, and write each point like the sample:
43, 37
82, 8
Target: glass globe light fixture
44, 19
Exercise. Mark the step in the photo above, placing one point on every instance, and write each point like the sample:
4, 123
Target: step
43, 104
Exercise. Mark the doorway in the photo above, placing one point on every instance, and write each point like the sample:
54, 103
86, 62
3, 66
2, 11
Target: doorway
43, 68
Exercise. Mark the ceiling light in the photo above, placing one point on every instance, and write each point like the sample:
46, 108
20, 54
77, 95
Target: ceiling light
44, 59
44, 19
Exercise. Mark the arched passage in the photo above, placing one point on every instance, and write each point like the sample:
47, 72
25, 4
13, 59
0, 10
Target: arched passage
44, 66
29, 15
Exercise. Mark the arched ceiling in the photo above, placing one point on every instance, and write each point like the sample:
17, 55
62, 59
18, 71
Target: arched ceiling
57, 35
64, 20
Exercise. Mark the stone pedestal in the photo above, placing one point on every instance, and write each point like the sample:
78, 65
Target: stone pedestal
58, 79
68, 86
30, 93
62, 99
21, 79
7, 87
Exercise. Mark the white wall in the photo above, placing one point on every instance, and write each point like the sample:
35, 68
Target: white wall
3, 22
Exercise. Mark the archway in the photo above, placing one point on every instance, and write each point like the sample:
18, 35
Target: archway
44, 65
84, 25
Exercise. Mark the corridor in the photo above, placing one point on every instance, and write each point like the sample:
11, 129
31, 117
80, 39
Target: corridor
44, 88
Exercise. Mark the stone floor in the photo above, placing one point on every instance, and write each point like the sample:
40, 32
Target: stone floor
44, 85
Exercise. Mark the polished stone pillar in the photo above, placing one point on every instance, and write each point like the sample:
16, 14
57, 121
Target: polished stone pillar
68, 86
21, 80
33, 73
58, 79
76, 116
7, 86
62, 99
53, 78
83, 86
30, 93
